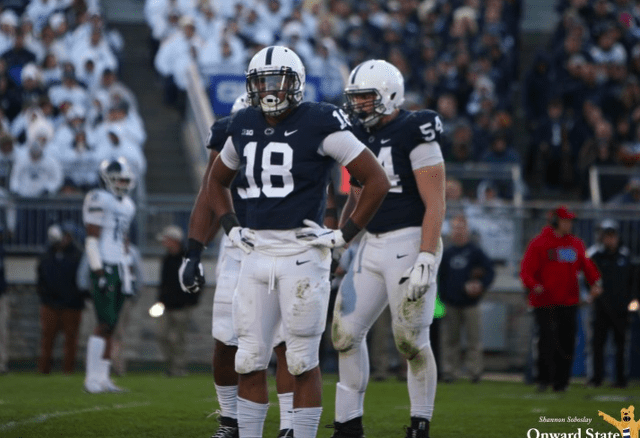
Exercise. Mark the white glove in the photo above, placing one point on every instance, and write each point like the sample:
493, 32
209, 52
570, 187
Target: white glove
243, 238
315, 235
420, 275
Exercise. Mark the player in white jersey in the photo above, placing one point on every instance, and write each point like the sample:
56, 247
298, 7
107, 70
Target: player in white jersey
107, 214
284, 150
398, 256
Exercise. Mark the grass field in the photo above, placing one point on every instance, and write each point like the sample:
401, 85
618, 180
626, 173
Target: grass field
35, 406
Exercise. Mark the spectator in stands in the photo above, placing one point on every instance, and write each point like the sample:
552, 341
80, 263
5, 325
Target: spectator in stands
610, 309
97, 49
8, 26
174, 55
462, 148
536, 91
61, 300
114, 145
39, 12
79, 162
125, 122
326, 64
51, 71
549, 271
550, 146
18, 56
209, 24
69, 90
500, 151
10, 99
177, 304
31, 88
7, 158
465, 275
113, 86
35, 174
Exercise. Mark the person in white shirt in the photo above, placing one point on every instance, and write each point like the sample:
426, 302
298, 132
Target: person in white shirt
177, 52
35, 174
69, 90
107, 214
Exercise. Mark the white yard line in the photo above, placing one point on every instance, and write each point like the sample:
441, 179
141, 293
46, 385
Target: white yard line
45, 417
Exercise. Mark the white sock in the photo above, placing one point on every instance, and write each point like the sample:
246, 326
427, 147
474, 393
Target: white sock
354, 375
95, 350
251, 418
228, 400
105, 369
422, 380
305, 422
286, 410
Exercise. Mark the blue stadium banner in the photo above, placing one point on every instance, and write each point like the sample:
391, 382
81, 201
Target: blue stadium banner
224, 89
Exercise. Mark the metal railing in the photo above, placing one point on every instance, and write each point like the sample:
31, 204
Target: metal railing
509, 224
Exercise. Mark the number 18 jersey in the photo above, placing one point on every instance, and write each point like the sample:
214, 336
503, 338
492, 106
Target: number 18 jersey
285, 168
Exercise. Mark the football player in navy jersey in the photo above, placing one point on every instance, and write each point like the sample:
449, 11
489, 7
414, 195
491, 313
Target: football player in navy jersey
226, 342
283, 149
399, 254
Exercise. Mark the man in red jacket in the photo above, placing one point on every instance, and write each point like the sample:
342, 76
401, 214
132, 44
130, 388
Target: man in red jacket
549, 271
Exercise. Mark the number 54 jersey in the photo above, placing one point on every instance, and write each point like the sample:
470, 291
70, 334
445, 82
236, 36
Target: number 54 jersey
285, 168
408, 142
113, 215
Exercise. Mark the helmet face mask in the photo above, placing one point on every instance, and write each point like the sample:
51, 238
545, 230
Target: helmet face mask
374, 78
365, 105
275, 80
117, 177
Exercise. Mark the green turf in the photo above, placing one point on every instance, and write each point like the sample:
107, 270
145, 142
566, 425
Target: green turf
38, 406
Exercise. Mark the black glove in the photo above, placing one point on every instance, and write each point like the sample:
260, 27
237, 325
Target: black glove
191, 275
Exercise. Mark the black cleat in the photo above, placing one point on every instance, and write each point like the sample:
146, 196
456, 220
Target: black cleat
419, 428
350, 429
286, 433
228, 428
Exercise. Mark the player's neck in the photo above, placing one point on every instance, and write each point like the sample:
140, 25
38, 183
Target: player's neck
274, 120
384, 120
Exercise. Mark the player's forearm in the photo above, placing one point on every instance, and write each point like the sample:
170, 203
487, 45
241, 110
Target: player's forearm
432, 224
202, 220
348, 208
373, 193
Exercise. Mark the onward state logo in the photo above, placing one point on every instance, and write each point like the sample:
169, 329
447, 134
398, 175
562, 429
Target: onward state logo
628, 427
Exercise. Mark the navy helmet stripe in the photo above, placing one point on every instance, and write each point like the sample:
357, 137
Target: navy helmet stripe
269, 55
355, 72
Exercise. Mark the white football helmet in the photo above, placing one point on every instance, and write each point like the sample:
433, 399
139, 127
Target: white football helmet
241, 102
273, 71
117, 176
378, 77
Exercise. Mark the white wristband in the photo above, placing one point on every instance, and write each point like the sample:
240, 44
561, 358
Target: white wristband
92, 248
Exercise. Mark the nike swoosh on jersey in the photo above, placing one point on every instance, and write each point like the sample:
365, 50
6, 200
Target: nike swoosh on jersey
288, 133
298, 262
398, 256
386, 140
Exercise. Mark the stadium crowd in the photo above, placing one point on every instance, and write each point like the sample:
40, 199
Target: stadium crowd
62, 108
